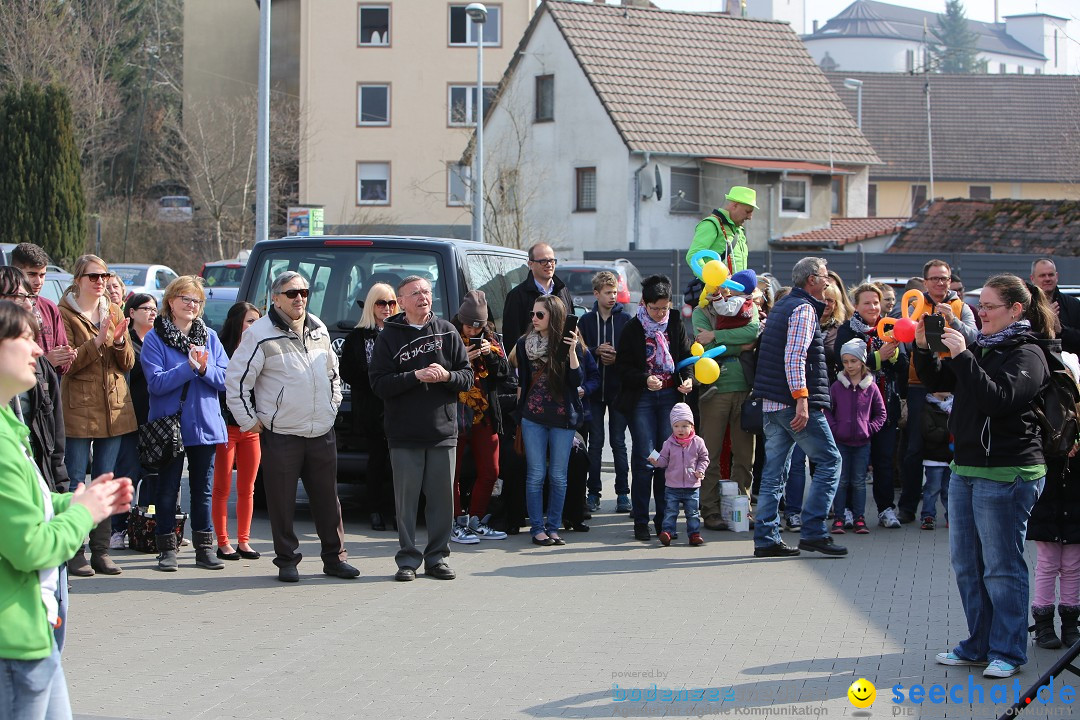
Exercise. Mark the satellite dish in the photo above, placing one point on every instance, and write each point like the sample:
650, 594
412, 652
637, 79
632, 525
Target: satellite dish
659, 185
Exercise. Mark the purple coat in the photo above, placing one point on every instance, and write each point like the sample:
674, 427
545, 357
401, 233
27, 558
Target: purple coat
857, 411
681, 463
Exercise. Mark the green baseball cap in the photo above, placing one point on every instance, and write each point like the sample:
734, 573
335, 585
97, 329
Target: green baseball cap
744, 195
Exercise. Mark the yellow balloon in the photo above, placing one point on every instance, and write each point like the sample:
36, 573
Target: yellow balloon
697, 350
714, 273
706, 370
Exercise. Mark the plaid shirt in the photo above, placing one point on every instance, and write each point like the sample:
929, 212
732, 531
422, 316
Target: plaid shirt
799, 335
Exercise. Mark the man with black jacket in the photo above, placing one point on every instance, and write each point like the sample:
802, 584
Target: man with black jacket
1044, 274
418, 367
542, 280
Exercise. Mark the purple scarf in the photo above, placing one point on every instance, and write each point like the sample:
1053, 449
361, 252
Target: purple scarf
659, 362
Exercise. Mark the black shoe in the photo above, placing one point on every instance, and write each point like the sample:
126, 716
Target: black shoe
340, 569
249, 554
234, 555
289, 574
780, 549
405, 574
905, 516
546, 542
577, 527
641, 532
441, 571
512, 529
825, 546
377, 522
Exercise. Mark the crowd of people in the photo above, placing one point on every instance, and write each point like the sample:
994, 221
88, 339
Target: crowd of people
458, 414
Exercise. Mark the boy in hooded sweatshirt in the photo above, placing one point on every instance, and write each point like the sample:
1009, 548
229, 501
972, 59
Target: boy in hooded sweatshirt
857, 412
685, 458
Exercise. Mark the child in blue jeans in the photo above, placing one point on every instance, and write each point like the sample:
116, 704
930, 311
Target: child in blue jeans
937, 454
685, 458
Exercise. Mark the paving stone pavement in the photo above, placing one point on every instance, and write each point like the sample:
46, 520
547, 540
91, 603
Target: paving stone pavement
588, 630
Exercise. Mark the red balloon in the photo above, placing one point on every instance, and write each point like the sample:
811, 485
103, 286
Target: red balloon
904, 330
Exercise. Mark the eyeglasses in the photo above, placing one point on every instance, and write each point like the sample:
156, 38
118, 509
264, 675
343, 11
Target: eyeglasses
386, 303
98, 277
655, 309
20, 296
545, 261
987, 307
293, 292
538, 314
826, 277
939, 280
420, 293
190, 301
147, 308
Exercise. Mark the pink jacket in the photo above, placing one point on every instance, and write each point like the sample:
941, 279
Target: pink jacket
683, 464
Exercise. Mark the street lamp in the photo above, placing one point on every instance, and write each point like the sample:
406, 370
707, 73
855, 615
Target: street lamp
856, 85
478, 14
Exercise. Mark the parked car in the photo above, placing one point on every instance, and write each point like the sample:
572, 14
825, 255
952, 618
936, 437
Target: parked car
175, 208
221, 281
140, 278
341, 269
578, 278
55, 284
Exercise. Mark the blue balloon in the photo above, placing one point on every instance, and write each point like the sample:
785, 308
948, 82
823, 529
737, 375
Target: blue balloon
696, 261
731, 284
718, 350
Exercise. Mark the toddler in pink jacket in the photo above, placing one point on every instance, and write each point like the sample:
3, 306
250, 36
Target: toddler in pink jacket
684, 457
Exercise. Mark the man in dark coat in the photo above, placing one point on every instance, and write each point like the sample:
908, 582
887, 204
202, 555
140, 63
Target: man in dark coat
542, 280
1044, 274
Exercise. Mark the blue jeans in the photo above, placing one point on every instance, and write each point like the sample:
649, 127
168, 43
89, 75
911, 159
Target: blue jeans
617, 432
816, 441
937, 482
795, 484
77, 455
34, 689
200, 482
851, 490
689, 498
987, 524
649, 427
547, 452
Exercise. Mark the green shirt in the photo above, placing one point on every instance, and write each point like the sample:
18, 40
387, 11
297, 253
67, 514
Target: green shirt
732, 378
709, 236
1027, 473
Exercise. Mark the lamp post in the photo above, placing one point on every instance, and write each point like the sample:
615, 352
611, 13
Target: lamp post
856, 85
478, 14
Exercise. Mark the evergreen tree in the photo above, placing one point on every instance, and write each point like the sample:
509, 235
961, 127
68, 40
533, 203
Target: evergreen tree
41, 195
954, 51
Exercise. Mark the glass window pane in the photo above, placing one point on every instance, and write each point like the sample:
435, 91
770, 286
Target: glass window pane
374, 26
459, 24
374, 104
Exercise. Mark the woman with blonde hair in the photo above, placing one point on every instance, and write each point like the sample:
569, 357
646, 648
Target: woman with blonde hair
184, 363
367, 407
97, 404
835, 315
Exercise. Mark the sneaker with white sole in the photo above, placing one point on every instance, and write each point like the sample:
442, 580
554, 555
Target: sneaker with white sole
887, 518
622, 504
849, 519
592, 503
1000, 669
117, 541
794, 522
479, 528
951, 658
461, 534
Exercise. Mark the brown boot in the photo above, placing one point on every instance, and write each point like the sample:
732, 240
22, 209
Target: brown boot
99, 549
78, 566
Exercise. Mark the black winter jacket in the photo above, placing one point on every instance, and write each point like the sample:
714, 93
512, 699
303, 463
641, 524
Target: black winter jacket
367, 407
1069, 314
891, 377
992, 421
44, 415
630, 361
519, 303
1056, 515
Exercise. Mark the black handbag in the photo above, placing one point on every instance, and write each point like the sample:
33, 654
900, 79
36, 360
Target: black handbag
160, 440
751, 418
142, 523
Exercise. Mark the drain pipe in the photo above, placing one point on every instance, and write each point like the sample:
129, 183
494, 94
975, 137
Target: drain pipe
637, 202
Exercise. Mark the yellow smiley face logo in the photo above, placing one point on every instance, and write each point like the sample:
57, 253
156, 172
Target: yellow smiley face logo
862, 693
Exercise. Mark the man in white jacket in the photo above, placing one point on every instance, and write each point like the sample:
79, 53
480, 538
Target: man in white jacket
283, 382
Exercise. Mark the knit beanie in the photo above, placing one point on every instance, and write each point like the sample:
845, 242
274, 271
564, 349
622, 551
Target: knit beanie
681, 411
747, 278
474, 309
855, 348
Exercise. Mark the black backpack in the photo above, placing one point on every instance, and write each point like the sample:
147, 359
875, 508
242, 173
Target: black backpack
1058, 408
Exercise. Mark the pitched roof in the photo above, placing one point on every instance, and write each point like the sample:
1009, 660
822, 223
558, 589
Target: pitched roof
705, 85
1041, 227
871, 19
1009, 128
843, 231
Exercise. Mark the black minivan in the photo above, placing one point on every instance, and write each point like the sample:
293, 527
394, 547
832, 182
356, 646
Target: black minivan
340, 269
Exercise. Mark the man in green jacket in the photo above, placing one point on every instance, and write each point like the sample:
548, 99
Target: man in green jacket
722, 230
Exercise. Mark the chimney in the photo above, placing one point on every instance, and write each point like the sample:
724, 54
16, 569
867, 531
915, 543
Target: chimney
815, 27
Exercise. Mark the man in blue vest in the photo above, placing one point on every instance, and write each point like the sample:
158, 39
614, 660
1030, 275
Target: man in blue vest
793, 382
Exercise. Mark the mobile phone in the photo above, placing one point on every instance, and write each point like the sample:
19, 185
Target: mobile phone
934, 326
570, 326
476, 341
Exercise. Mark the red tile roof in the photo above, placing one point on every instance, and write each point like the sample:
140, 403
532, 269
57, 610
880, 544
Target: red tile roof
844, 231
1040, 227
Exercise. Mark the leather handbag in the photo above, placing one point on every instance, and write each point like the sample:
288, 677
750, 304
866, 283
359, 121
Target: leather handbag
751, 418
142, 524
160, 440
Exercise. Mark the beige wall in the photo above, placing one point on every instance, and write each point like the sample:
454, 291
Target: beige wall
894, 197
419, 65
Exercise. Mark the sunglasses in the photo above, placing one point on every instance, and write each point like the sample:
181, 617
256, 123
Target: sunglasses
96, 277
386, 303
291, 294
538, 314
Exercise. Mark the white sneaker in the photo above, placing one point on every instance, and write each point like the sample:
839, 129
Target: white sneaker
116, 541
461, 534
481, 530
849, 519
887, 518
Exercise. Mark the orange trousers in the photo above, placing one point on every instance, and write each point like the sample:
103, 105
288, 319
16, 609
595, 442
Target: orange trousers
245, 450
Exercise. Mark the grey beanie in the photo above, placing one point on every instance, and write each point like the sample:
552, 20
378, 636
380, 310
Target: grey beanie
855, 348
474, 309
681, 411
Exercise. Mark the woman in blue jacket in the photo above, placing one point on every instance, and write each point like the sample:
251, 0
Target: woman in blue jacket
184, 363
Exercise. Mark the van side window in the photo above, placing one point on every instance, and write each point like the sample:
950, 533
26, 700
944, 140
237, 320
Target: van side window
496, 275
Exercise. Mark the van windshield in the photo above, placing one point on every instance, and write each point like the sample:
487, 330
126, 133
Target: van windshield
340, 278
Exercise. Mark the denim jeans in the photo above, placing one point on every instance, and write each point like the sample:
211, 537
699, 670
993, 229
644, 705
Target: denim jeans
77, 455
816, 441
851, 490
200, 482
689, 499
937, 482
547, 452
34, 689
649, 427
617, 434
987, 524
795, 483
